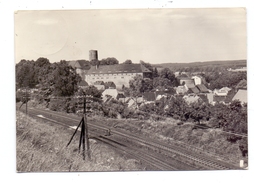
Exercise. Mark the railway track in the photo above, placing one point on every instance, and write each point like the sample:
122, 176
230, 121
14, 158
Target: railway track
150, 160
161, 155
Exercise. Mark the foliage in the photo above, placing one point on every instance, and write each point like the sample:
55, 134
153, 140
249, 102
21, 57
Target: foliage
221, 79
137, 85
161, 83
155, 73
209, 66
127, 62
64, 80
94, 62
109, 61
232, 118
166, 73
25, 74
92, 91
177, 108
199, 111
57, 79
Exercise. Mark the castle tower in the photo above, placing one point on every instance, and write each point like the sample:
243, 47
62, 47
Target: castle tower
93, 55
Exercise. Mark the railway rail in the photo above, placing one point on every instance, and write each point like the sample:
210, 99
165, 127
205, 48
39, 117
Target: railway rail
160, 155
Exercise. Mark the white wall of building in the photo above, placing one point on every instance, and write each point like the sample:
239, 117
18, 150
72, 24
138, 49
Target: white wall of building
119, 79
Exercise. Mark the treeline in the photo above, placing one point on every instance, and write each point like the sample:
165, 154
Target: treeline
209, 66
223, 79
56, 79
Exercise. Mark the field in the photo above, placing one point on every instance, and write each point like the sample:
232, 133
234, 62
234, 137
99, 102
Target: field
41, 147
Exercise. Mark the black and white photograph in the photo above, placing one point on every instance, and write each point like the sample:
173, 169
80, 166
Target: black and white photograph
120, 90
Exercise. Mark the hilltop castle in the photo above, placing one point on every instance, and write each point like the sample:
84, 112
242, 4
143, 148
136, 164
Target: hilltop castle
120, 74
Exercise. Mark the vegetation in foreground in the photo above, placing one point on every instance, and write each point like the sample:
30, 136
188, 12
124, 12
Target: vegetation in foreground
210, 141
41, 147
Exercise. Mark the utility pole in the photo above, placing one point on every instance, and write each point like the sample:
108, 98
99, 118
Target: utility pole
83, 140
86, 129
26, 100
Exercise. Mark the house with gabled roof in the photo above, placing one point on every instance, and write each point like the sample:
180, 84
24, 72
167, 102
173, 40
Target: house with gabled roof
191, 98
241, 95
197, 80
99, 85
189, 84
221, 92
109, 94
202, 88
81, 67
120, 74
82, 84
181, 89
110, 85
194, 90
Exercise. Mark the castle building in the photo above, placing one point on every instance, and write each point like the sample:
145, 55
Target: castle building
120, 74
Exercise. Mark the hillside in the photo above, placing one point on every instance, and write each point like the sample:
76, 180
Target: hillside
41, 147
200, 65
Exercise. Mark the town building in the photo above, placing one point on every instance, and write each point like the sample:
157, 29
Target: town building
120, 74
241, 95
81, 67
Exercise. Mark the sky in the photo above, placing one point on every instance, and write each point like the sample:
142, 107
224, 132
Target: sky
151, 35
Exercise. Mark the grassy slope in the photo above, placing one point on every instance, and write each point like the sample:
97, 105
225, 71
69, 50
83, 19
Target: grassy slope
41, 147
209, 140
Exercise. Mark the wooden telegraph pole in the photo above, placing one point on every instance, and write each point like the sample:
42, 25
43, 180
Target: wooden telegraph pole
83, 140
86, 129
26, 100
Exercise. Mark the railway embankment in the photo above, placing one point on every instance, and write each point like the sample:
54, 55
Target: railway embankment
41, 147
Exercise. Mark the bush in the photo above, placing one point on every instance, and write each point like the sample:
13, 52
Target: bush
57, 105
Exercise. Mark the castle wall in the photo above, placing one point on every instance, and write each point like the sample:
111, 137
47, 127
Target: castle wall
119, 79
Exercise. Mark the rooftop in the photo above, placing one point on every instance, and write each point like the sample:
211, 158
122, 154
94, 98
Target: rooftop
118, 68
241, 95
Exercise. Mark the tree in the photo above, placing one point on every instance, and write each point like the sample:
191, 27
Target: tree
127, 62
136, 86
161, 83
92, 91
199, 111
60, 80
147, 85
26, 74
41, 62
95, 62
177, 108
42, 68
168, 74
155, 73
109, 61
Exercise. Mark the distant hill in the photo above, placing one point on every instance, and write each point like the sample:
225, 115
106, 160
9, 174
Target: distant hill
203, 65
